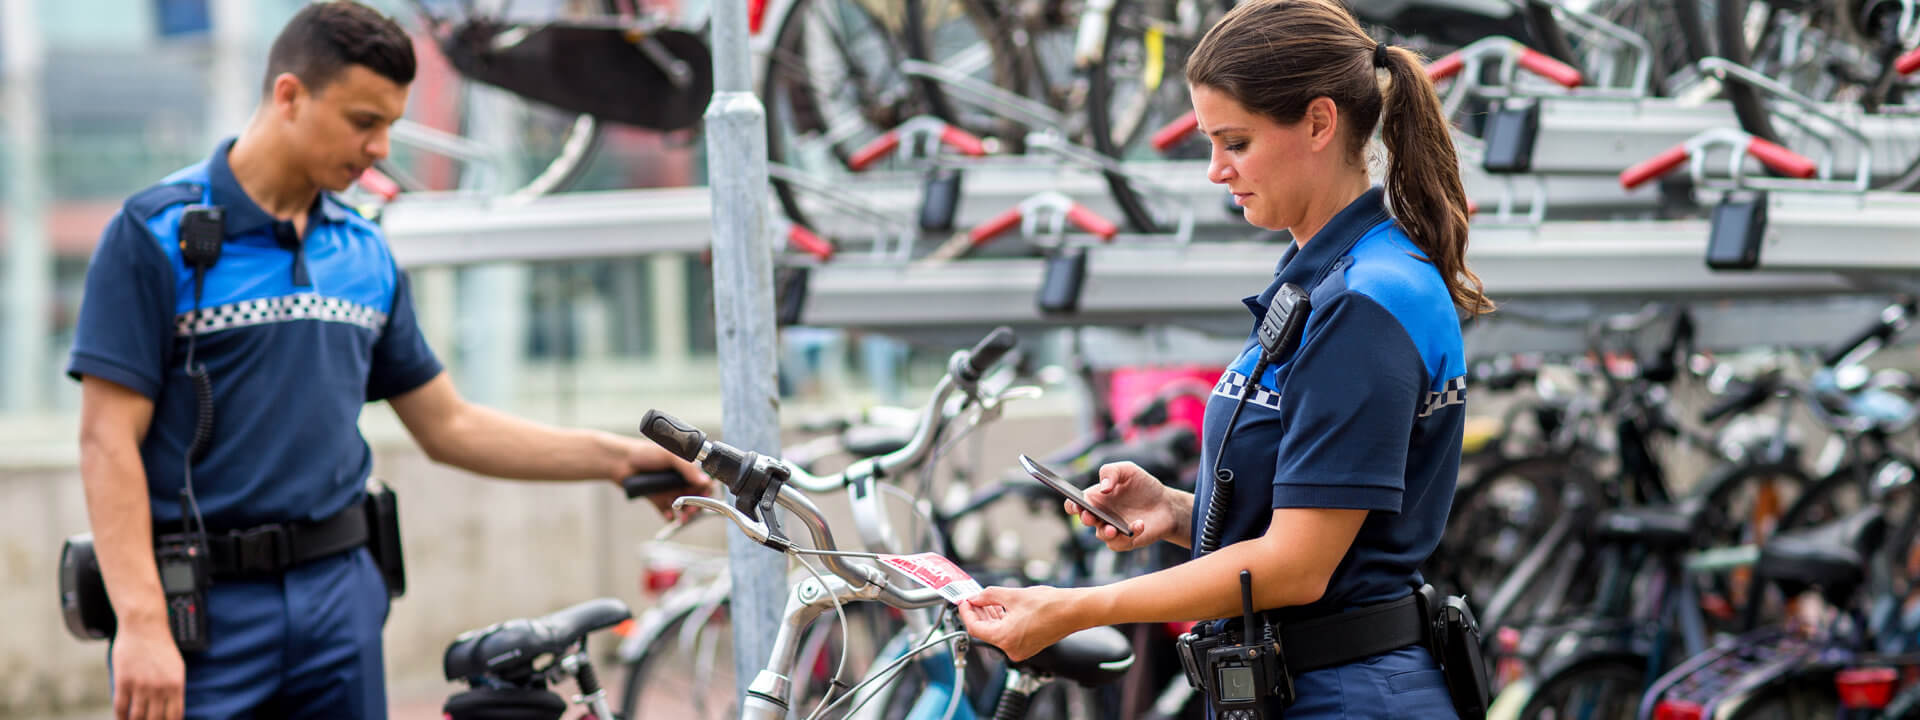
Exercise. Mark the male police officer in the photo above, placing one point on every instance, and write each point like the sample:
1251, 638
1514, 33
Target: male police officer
303, 318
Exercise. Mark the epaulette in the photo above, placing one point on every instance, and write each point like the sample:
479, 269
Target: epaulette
149, 202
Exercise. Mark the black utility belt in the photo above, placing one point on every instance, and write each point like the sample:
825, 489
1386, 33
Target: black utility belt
274, 548
188, 563
1330, 640
1241, 670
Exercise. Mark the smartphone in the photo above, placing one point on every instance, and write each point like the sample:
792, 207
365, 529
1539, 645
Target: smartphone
1048, 478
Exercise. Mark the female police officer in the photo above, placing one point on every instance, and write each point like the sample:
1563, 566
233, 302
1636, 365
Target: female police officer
1342, 459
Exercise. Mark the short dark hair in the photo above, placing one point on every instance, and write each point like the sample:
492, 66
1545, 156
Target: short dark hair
325, 38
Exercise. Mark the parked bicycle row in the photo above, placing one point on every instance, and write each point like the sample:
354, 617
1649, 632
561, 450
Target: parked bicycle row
1776, 582
1766, 117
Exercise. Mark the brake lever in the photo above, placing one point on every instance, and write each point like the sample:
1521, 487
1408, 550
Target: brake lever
753, 529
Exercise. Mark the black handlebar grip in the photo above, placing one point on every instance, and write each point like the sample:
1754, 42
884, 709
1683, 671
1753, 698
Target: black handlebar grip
1881, 328
988, 352
653, 483
1749, 398
677, 437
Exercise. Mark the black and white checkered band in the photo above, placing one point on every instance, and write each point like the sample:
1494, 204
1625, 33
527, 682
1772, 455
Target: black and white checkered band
286, 308
1233, 383
1455, 393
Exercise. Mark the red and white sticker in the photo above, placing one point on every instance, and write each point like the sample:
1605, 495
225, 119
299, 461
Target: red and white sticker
937, 572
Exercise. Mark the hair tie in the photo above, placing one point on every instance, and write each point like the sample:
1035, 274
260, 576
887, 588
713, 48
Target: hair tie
1380, 54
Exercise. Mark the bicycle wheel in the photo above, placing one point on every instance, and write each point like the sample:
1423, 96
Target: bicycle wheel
1840, 53
1655, 20
1139, 84
1601, 688
687, 672
964, 37
462, 135
1501, 514
833, 84
1748, 503
1802, 695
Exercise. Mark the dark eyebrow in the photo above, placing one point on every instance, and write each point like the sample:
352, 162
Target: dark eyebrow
1219, 131
370, 114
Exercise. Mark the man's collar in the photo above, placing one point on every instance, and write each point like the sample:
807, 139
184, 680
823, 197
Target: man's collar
243, 215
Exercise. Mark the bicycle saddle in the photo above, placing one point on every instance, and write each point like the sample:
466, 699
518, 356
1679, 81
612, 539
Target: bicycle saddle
1832, 555
1673, 525
509, 649
1095, 656
875, 440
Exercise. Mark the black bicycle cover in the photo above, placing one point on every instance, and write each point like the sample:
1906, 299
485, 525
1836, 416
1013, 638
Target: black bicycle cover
597, 71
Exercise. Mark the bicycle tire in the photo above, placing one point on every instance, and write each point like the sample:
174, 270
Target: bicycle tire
932, 36
1750, 108
1547, 35
1727, 525
1651, 19
1545, 478
714, 674
1614, 680
643, 674
797, 102
566, 169
1802, 695
581, 141
1122, 41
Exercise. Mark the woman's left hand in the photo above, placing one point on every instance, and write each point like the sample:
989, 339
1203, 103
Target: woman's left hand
1022, 621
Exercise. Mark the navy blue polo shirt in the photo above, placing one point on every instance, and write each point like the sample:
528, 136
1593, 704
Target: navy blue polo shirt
297, 334
1367, 414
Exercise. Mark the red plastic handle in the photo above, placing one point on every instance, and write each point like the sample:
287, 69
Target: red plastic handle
808, 242
1447, 66
378, 183
1567, 76
1086, 220
1661, 164
963, 141
1908, 63
879, 148
1175, 132
999, 224
1473, 208
1786, 162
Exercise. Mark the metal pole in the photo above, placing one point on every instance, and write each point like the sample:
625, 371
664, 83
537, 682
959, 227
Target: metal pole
29, 268
743, 314
234, 88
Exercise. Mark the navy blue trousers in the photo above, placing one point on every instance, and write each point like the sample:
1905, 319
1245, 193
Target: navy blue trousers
304, 645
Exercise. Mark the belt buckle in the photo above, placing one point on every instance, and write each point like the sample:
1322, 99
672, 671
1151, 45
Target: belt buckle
262, 550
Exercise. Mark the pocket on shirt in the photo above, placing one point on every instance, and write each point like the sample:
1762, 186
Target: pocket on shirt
1415, 680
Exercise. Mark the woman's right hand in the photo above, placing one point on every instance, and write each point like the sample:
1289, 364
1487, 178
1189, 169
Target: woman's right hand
1134, 495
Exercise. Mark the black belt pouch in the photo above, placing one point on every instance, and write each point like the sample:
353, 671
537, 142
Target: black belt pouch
383, 536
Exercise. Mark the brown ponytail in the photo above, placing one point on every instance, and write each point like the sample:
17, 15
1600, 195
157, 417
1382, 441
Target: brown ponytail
1276, 56
1423, 177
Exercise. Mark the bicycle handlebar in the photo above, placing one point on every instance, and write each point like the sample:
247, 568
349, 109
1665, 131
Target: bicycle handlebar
1890, 322
983, 355
652, 483
759, 482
